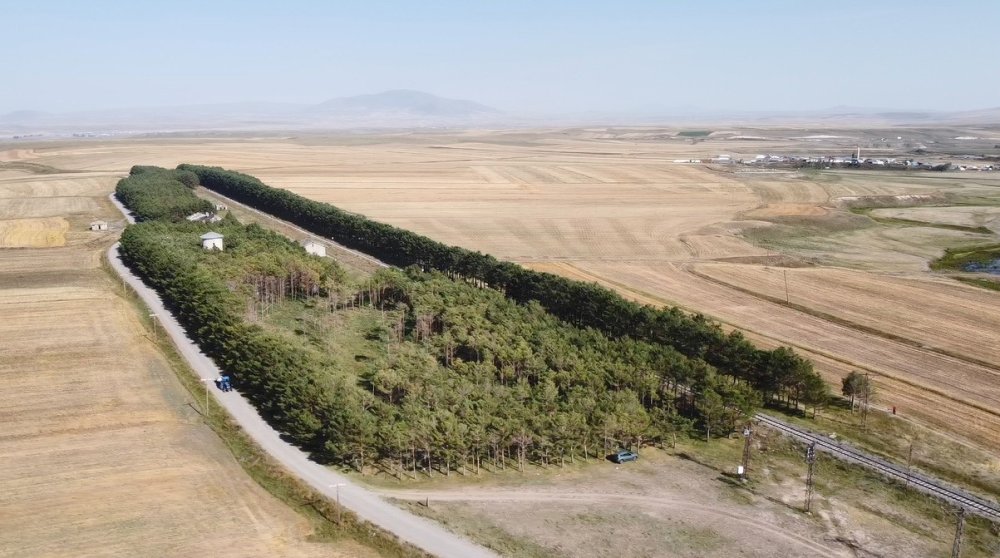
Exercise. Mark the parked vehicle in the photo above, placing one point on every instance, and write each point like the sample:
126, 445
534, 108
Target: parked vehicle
224, 383
623, 456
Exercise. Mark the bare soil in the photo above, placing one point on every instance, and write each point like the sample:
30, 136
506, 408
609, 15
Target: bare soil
662, 505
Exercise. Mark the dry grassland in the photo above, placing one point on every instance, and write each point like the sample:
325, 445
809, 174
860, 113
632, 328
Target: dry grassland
100, 452
611, 206
988, 217
33, 233
666, 504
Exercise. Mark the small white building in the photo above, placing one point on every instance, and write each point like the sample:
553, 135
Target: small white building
314, 247
204, 217
99, 225
220, 207
211, 241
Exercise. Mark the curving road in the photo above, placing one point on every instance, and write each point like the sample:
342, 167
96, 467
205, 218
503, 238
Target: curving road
684, 507
418, 531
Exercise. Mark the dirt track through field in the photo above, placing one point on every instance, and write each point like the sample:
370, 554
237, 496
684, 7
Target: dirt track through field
702, 514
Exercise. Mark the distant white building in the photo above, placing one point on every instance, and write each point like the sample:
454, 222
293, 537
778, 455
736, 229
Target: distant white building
99, 225
211, 241
313, 247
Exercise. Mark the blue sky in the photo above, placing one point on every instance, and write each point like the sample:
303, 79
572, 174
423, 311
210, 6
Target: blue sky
521, 56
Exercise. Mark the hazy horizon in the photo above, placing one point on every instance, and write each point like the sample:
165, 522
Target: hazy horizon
519, 57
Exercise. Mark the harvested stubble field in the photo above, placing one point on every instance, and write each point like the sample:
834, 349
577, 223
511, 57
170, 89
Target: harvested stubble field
101, 452
611, 206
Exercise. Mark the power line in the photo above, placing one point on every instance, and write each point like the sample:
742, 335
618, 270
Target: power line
866, 391
956, 547
909, 463
747, 442
811, 460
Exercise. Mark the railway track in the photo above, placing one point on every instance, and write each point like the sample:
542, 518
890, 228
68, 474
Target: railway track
927, 484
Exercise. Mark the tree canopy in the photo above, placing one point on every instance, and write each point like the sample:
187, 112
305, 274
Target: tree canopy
458, 374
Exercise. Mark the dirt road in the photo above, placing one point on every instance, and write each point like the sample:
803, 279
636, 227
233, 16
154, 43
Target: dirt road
685, 507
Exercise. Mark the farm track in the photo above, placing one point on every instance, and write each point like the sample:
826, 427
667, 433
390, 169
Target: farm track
871, 331
606, 498
851, 324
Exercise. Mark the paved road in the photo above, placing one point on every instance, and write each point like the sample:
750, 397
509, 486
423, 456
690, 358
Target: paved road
418, 531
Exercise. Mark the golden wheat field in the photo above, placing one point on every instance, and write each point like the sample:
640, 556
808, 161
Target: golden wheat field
614, 207
100, 452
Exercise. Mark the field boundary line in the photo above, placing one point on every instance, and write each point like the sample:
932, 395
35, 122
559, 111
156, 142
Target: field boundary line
639, 293
847, 323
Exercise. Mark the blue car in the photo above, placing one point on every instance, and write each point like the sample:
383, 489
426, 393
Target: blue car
624, 456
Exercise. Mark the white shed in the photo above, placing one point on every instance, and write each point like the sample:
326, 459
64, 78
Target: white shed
314, 247
211, 241
99, 226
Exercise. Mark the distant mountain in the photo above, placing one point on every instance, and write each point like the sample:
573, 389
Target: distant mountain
415, 109
403, 102
24, 116
390, 109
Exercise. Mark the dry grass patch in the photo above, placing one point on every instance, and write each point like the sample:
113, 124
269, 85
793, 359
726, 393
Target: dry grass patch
33, 233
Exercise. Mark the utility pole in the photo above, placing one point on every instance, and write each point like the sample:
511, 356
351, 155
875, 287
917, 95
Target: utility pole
786, 286
909, 462
340, 510
747, 443
956, 547
811, 460
206, 382
866, 390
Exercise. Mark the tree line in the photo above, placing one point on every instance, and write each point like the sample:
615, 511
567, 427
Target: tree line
778, 374
470, 377
155, 193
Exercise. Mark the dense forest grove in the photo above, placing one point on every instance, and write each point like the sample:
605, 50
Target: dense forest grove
454, 362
